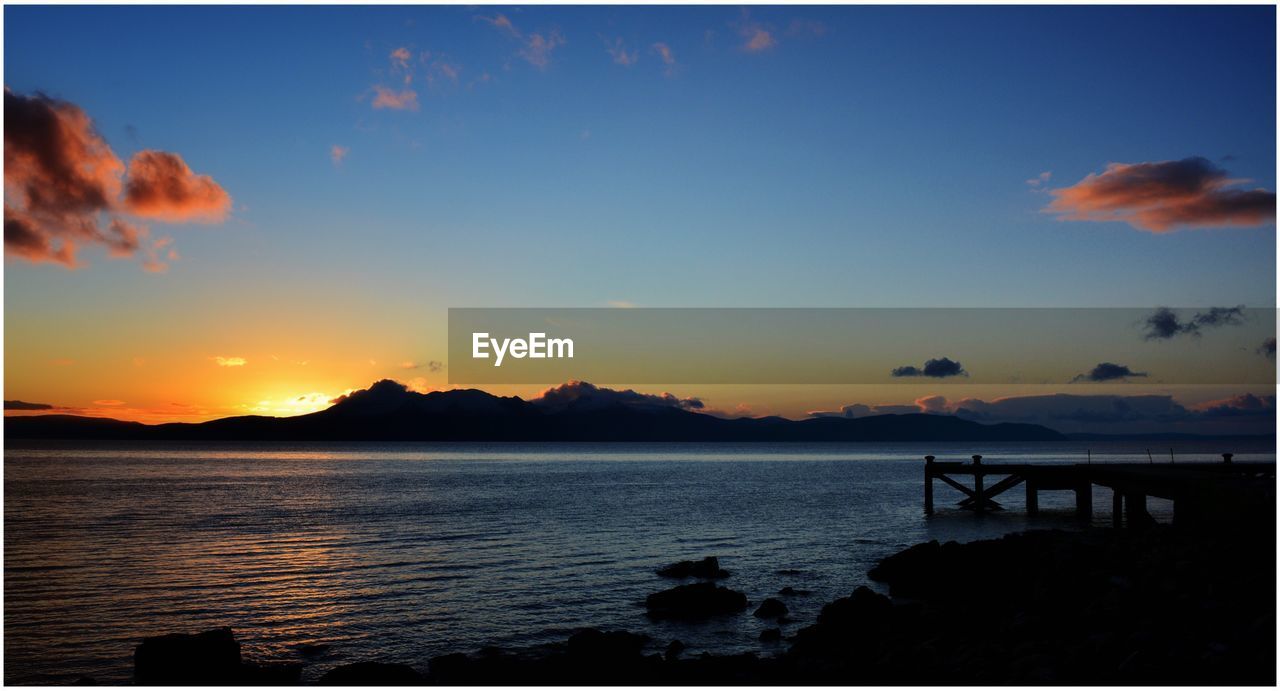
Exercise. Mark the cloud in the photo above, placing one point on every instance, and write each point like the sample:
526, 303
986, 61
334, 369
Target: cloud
758, 40
583, 395
1115, 414
109, 402
430, 365
229, 361
1108, 371
1164, 323
535, 48
24, 405
1164, 196
62, 179
806, 27
756, 37
618, 51
1268, 348
338, 154
667, 57
501, 23
390, 99
160, 186
938, 368
857, 410
1239, 406
1040, 180
400, 58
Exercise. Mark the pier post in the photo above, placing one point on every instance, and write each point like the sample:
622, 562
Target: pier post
1117, 509
928, 485
1136, 510
1033, 498
979, 495
1226, 457
1084, 500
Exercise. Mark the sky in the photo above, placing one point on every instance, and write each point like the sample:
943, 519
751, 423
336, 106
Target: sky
294, 196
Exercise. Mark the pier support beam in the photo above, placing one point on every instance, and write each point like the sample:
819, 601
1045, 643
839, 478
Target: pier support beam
979, 494
1033, 499
928, 485
1136, 514
1084, 501
1117, 509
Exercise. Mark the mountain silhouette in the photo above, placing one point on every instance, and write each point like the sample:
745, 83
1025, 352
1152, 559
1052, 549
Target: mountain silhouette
388, 411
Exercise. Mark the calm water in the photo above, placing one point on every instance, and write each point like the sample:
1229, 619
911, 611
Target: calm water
406, 551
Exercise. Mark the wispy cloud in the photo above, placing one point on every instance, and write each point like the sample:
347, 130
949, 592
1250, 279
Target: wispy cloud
1039, 181
1163, 196
536, 47
756, 37
338, 154
229, 361
1164, 324
617, 50
390, 99
667, 56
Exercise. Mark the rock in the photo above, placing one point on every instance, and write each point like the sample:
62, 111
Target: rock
312, 649
270, 673
704, 568
371, 674
770, 635
606, 645
450, 669
208, 658
674, 648
771, 608
695, 601
792, 592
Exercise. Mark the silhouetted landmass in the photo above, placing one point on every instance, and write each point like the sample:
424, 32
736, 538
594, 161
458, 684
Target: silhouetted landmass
387, 411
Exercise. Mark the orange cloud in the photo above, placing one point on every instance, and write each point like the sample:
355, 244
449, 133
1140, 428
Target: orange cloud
338, 153
535, 48
400, 58
389, 99
109, 402
1164, 196
668, 58
229, 361
161, 186
617, 50
61, 177
758, 40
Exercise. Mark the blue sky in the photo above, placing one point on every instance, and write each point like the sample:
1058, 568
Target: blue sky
867, 156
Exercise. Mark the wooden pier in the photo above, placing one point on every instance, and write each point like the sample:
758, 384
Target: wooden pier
1201, 492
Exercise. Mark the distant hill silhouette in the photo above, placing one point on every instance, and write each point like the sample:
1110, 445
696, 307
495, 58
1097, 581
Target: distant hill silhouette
387, 411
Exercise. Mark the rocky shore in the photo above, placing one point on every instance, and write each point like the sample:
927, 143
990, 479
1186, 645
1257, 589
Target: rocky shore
1151, 606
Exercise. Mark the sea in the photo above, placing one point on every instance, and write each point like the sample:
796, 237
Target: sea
327, 554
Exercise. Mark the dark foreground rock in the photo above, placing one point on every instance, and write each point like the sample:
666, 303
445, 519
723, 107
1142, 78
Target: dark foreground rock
1152, 607
1156, 606
771, 608
708, 568
208, 658
371, 674
695, 601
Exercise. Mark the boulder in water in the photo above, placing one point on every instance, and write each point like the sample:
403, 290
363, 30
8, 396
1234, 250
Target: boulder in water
771, 608
695, 601
708, 567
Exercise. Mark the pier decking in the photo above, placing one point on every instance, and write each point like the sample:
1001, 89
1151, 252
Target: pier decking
1200, 492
